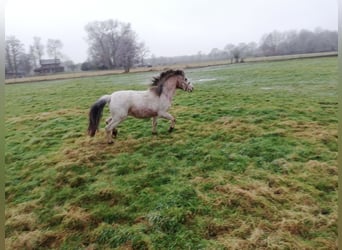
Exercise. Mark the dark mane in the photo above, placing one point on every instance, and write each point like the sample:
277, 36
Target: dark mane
158, 82
165, 75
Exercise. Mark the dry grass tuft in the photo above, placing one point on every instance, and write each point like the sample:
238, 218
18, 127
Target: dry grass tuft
45, 116
257, 237
75, 218
236, 125
318, 166
25, 207
21, 218
88, 151
311, 131
21, 222
241, 129
33, 240
214, 230
247, 198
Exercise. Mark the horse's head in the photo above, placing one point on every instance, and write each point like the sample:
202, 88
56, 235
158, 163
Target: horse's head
173, 79
184, 84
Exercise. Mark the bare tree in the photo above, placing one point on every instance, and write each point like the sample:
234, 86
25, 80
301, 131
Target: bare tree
24, 64
143, 51
13, 50
54, 47
8, 58
36, 51
236, 52
270, 43
214, 52
326, 40
103, 42
113, 44
102, 39
128, 50
229, 50
251, 49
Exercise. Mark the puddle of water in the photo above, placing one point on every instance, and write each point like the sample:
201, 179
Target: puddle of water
206, 80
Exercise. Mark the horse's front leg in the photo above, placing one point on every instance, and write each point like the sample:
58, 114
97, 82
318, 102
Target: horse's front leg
169, 117
154, 125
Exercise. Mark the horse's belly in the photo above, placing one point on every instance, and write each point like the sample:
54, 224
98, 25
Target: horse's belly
142, 112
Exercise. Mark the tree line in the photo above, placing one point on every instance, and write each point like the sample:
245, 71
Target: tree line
271, 44
114, 44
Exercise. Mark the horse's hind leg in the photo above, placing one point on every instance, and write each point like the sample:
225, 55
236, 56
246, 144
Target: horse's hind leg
108, 120
111, 130
114, 131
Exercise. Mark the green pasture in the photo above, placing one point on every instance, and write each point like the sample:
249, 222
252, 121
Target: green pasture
251, 164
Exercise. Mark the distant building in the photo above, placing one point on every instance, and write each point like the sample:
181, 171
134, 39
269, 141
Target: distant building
10, 74
49, 66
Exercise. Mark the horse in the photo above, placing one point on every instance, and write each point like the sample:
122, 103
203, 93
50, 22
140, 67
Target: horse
151, 103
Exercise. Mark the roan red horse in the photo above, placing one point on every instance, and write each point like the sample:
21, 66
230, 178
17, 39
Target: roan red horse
152, 103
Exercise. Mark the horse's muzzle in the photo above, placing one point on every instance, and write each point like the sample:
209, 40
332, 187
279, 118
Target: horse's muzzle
190, 88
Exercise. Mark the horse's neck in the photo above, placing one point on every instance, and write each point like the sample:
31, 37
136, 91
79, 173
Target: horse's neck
169, 90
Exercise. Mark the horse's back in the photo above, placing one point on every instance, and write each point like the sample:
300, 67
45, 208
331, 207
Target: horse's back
124, 100
130, 96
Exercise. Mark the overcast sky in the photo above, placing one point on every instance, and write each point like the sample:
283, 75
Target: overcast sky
168, 27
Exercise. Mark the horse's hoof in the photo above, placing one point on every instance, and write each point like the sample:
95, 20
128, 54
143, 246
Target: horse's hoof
110, 142
114, 133
171, 129
154, 133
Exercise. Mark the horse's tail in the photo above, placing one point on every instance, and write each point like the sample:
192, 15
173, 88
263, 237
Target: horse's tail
95, 114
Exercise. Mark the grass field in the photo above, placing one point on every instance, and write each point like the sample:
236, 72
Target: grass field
252, 163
